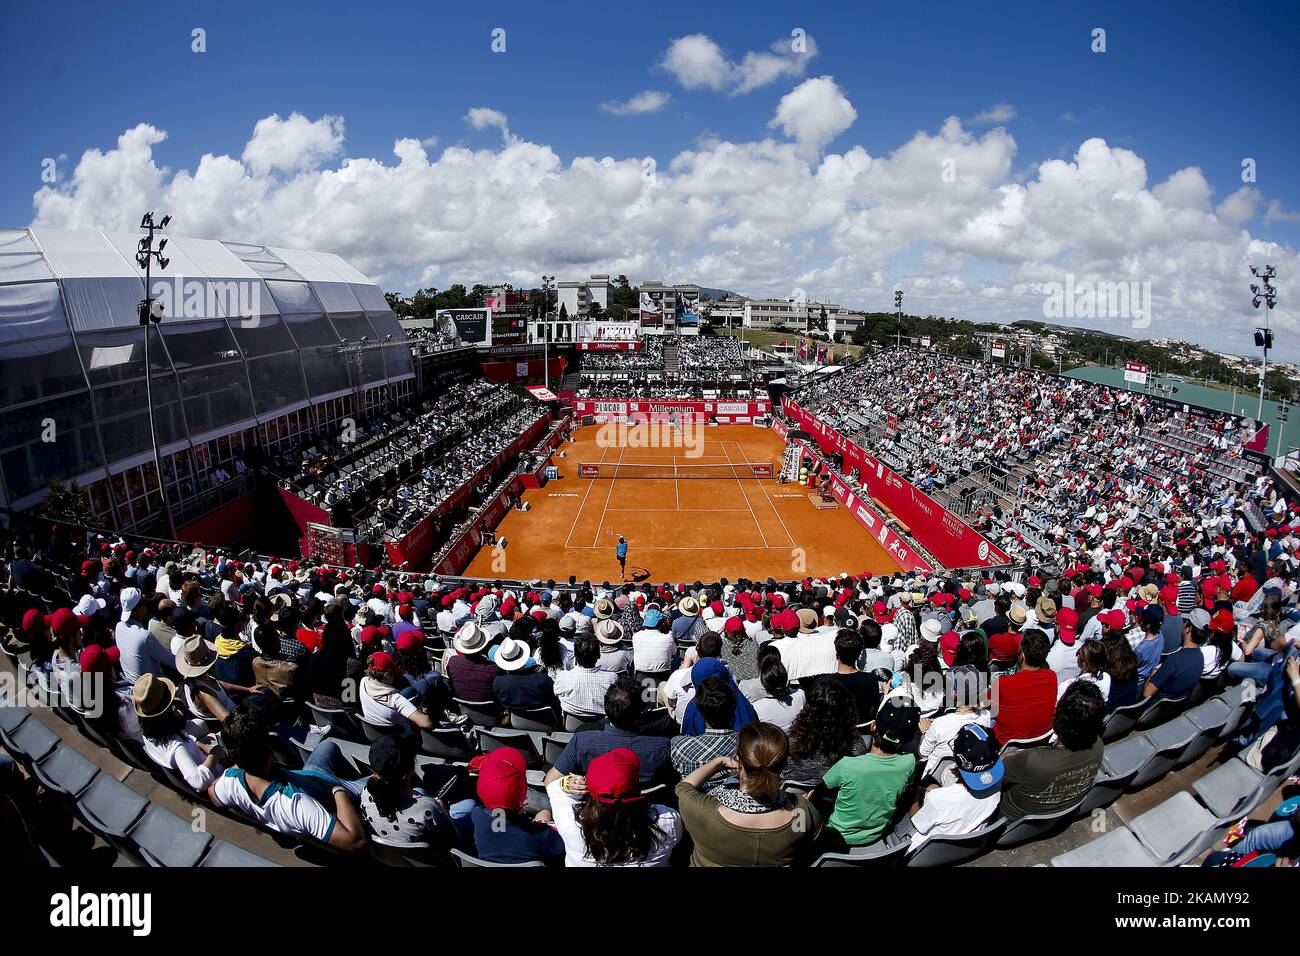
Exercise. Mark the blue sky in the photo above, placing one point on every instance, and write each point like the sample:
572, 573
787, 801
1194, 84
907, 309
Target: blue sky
1180, 84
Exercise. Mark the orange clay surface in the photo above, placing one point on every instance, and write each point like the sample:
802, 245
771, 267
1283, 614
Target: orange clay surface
677, 529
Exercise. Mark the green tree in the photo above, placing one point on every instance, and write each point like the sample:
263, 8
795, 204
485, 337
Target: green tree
65, 501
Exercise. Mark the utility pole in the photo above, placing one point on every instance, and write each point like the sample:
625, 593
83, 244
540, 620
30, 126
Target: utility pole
151, 314
1266, 296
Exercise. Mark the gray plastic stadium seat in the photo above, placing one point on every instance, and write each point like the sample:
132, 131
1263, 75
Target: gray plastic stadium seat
445, 743
1121, 720
10, 717
1161, 711
465, 860
1235, 698
481, 713
1228, 788
1170, 739
1177, 830
1119, 847
1034, 825
373, 731
950, 850
1209, 718
164, 839
496, 738
30, 741
878, 854
1127, 756
65, 772
227, 854
110, 808
537, 718
553, 745
574, 724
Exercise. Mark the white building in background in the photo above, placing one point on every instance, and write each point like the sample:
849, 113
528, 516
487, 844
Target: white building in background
578, 296
798, 315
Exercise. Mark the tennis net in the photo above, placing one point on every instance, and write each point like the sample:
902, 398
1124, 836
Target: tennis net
675, 470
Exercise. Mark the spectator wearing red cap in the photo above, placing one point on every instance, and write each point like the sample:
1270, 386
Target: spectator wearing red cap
1172, 629
504, 831
605, 820
64, 669
406, 622
381, 701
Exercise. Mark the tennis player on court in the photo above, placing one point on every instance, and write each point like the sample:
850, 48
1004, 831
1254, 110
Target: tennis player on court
620, 552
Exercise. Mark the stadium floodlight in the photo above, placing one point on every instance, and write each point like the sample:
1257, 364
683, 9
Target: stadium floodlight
898, 307
1263, 293
151, 314
548, 283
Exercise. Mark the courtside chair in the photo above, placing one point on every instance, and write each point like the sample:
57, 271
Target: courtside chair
1121, 720
1209, 718
1035, 825
951, 850
163, 839
1169, 739
1116, 848
878, 854
223, 854
465, 860
1178, 830
65, 772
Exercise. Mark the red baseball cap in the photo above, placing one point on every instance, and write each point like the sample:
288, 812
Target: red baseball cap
382, 661
95, 659
409, 640
1112, 619
374, 634
503, 778
1169, 596
64, 623
734, 625
615, 777
1067, 625
880, 611
1223, 622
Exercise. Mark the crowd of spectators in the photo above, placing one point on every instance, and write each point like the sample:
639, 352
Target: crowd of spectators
1050, 467
387, 475
725, 724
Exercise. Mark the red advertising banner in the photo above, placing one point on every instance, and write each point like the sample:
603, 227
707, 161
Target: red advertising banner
664, 409
953, 543
899, 548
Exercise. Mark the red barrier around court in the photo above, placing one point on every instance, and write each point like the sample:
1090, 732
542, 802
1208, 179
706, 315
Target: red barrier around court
899, 548
953, 543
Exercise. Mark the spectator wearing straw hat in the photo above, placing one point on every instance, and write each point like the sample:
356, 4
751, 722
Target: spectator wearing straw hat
168, 741
468, 670
205, 697
522, 683
613, 658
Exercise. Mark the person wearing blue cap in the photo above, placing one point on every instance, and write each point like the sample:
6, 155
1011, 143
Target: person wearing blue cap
962, 807
653, 649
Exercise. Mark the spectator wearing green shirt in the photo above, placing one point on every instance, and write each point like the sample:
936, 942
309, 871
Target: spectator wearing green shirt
868, 787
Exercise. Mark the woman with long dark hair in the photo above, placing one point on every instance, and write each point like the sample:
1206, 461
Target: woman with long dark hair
825, 731
551, 652
395, 811
605, 820
1122, 666
335, 662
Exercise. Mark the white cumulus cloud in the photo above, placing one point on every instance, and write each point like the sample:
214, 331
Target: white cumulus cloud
647, 101
814, 113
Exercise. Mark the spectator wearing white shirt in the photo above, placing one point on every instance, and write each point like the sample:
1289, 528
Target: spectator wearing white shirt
966, 697
581, 689
1091, 666
653, 647
967, 804
168, 741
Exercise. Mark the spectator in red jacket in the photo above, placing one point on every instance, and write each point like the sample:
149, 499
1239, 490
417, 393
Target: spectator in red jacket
1024, 702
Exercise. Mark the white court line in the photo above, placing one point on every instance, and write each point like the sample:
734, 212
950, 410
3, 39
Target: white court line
745, 496
770, 502
609, 494
583, 504
688, 511
640, 547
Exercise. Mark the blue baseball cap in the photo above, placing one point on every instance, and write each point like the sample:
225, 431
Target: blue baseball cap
652, 617
977, 759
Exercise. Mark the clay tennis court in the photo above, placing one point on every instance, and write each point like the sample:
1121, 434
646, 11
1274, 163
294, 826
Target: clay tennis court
678, 528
